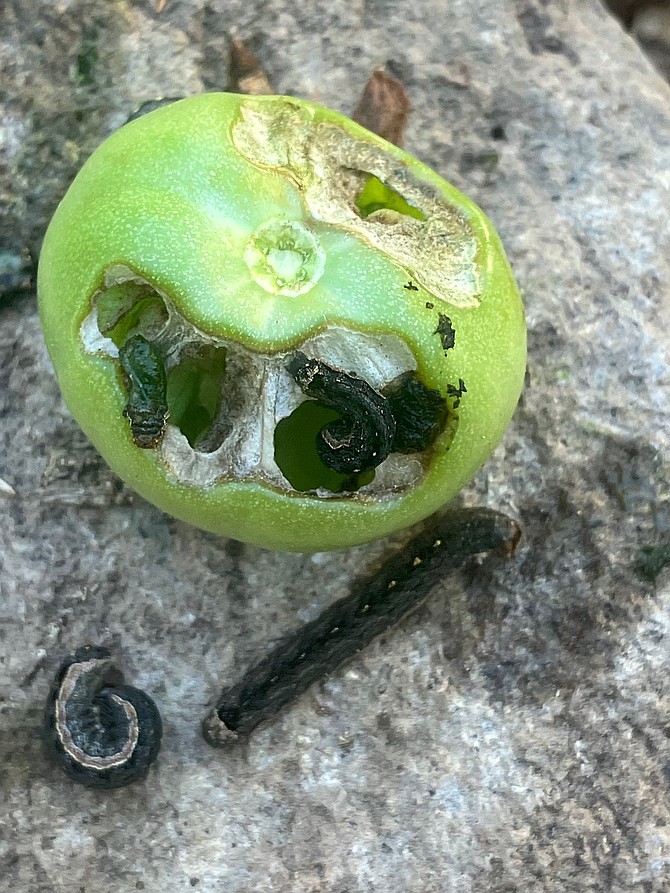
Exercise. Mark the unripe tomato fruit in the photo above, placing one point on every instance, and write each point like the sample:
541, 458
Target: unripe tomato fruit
277, 326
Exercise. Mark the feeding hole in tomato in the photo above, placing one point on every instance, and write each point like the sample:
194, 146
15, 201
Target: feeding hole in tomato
378, 196
214, 410
296, 455
194, 395
138, 322
130, 308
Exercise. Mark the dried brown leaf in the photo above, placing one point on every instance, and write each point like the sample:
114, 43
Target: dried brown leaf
384, 107
245, 74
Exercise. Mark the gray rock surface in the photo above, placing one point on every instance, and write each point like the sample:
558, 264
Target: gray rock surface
514, 734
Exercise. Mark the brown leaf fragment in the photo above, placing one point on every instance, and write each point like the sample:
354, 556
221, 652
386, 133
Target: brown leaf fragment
384, 107
245, 74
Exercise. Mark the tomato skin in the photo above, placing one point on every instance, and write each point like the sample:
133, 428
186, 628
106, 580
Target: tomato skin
184, 199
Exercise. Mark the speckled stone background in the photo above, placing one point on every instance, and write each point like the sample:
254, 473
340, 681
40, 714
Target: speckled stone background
513, 736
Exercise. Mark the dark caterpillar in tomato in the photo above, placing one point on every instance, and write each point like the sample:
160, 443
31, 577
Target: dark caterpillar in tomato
147, 408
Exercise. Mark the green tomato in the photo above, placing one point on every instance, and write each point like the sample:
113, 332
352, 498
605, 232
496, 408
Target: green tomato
277, 326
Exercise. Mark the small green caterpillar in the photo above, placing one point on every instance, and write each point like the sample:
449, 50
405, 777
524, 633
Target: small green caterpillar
146, 409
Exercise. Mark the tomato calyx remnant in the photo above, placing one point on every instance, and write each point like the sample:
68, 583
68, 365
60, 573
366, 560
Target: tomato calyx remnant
285, 258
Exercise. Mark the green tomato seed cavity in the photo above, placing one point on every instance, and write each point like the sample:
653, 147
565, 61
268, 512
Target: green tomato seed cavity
276, 326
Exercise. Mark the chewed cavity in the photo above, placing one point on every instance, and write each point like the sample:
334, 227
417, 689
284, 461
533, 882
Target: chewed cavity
342, 412
353, 184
